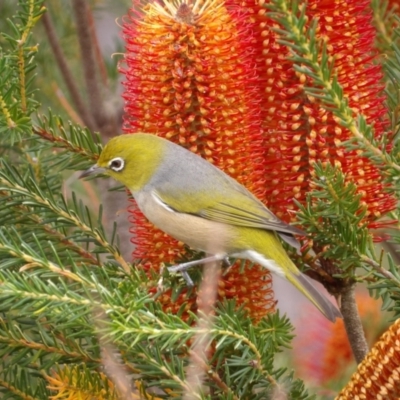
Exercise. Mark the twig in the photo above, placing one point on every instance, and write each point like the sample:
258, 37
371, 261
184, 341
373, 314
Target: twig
75, 117
13, 389
381, 25
26, 214
71, 218
66, 72
15, 342
100, 61
89, 63
63, 143
352, 323
6, 112
21, 59
387, 274
212, 374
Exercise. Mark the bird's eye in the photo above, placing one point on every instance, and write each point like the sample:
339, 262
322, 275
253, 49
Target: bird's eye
116, 164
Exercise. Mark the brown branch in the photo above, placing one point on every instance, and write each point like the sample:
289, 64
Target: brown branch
75, 117
352, 323
378, 268
99, 58
71, 245
89, 63
64, 143
66, 72
13, 389
207, 369
43, 348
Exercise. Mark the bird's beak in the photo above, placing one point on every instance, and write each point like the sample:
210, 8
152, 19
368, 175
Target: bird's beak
94, 170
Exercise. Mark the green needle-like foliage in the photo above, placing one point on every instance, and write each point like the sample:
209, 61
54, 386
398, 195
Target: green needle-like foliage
77, 319
16, 91
336, 218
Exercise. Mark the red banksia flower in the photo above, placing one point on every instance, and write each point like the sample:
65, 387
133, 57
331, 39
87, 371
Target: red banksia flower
299, 131
190, 77
378, 376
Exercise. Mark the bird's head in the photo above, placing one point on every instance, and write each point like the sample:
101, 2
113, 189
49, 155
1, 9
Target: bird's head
130, 159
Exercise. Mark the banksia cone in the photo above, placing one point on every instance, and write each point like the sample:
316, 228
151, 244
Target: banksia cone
378, 376
190, 78
299, 131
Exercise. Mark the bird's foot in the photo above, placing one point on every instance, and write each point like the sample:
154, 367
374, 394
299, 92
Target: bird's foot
182, 268
226, 263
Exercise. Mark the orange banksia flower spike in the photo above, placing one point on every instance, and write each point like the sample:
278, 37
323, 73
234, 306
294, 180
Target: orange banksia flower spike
298, 130
347, 28
190, 77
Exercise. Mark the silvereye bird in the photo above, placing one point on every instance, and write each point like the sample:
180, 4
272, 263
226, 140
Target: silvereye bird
193, 201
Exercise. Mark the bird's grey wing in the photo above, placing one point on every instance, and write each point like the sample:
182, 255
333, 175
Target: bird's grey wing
192, 185
247, 212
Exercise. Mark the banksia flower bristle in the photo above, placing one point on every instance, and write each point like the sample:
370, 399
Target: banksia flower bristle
252, 289
299, 131
190, 77
378, 376
346, 27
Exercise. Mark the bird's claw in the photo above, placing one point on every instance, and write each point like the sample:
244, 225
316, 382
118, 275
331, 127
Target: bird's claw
182, 268
187, 279
226, 263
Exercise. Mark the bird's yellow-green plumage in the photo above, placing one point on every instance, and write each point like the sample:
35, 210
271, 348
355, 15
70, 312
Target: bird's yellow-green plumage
195, 202
141, 159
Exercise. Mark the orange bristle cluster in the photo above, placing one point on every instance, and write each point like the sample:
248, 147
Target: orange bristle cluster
191, 78
378, 376
299, 130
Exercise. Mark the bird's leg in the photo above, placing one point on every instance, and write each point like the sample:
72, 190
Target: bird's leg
226, 263
185, 266
190, 264
187, 278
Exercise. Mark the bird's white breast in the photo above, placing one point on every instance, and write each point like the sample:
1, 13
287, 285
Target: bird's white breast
197, 232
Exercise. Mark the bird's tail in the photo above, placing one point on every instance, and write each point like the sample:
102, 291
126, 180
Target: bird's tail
304, 284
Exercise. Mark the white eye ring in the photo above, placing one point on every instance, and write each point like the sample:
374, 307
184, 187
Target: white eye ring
117, 164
